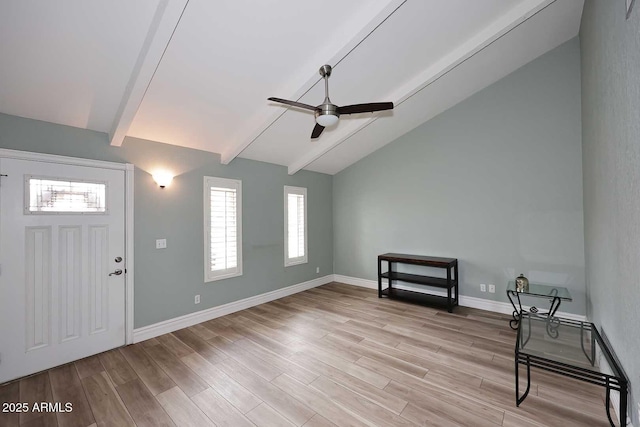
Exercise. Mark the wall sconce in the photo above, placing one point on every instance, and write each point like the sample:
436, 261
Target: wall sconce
163, 178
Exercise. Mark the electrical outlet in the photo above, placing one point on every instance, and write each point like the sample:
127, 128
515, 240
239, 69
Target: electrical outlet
483, 287
161, 243
317, 270
197, 301
492, 289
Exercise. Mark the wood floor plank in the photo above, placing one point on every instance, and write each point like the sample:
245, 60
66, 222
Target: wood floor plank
350, 368
358, 404
182, 410
206, 350
394, 358
36, 389
222, 331
463, 411
221, 412
67, 388
264, 341
10, 393
174, 345
184, 377
261, 367
202, 332
538, 409
106, 405
143, 407
49, 421
425, 417
380, 397
149, 343
265, 416
148, 371
117, 367
88, 366
319, 421
318, 402
281, 364
226, 386
286, 404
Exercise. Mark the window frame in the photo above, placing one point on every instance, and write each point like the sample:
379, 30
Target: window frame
288, 262
236, 184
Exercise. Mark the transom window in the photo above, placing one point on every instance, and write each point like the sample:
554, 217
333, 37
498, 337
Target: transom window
53, 195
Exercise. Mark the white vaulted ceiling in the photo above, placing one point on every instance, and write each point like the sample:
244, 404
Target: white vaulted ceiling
197, 73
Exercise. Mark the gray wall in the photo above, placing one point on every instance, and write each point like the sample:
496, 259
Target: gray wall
495, 181
166, 281
610, 47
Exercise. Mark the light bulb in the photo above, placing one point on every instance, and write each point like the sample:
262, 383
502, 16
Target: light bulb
327, 120
163, 178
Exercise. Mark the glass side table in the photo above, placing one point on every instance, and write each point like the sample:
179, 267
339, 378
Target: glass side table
572, 352
556, 294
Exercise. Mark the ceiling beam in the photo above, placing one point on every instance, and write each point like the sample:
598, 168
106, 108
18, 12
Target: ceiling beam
165, 21
484, 38
304, 81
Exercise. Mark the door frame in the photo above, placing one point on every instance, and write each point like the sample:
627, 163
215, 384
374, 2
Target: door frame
128, 169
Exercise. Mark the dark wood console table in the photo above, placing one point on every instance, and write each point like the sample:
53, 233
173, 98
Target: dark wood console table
450, 283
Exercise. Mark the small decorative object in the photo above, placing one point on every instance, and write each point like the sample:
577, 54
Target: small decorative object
522, 283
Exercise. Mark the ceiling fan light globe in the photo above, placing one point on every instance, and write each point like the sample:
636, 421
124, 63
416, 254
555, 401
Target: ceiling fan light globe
327, 120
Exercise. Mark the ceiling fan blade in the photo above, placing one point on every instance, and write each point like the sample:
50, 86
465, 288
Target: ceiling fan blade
294, 103
365, 108
317, 130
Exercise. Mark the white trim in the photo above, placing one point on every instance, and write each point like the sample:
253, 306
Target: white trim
301, 191
128, 227
128, 169
65, 160
164, 327
465, 301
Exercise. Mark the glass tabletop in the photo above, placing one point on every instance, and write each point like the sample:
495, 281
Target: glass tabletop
536, 289
566, 341
571, 342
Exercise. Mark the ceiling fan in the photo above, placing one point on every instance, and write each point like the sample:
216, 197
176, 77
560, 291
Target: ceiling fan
327, 114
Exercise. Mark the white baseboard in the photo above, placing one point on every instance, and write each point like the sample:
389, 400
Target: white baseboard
166, 326
465, 301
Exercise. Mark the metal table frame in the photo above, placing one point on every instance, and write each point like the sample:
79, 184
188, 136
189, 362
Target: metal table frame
617, 382
514, 296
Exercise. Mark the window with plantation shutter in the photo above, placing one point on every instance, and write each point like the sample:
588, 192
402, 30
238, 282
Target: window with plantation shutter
295, 225
223, 228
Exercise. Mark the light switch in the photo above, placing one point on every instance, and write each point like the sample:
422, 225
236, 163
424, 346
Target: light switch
161, 243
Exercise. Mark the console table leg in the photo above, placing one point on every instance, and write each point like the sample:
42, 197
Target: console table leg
449, 303
379, 279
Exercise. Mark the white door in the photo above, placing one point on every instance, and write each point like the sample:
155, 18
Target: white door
61, 238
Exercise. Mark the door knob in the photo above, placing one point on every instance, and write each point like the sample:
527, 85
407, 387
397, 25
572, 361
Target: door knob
116, 273
118, 259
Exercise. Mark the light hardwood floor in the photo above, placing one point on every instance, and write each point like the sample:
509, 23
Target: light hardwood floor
330, 356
